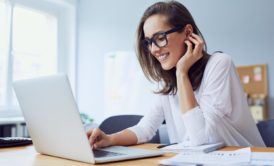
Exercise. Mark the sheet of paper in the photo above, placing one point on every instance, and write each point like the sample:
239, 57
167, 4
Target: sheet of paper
246, 79
262, 158
217, 157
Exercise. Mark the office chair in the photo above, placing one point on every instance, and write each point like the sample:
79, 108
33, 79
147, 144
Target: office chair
117, 123
266, 129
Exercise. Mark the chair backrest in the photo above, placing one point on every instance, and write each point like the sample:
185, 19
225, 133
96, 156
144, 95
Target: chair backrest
117, 123
266, 129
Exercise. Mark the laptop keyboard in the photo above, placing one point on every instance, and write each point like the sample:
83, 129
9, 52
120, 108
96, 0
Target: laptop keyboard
102, 153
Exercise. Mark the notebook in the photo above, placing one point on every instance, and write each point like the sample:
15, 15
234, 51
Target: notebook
181, 147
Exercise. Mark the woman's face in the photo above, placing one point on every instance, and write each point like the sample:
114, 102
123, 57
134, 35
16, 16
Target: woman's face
170, 54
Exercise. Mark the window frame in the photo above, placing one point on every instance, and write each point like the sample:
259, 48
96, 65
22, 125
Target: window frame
65, 13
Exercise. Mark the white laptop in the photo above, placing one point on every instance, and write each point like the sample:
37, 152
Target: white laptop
55, 126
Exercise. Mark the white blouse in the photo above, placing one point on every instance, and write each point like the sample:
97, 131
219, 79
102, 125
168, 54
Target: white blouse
222, 114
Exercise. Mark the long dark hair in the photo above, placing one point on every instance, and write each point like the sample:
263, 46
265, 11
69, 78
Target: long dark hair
177, 15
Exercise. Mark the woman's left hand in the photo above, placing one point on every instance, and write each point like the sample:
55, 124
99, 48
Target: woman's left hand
192, 55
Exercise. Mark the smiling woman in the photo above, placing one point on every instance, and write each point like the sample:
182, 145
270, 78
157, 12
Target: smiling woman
155, 24
200, 97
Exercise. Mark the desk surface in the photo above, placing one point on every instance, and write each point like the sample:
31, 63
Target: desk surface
27, 156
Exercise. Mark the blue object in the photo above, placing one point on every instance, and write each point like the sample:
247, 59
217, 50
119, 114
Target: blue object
266, 129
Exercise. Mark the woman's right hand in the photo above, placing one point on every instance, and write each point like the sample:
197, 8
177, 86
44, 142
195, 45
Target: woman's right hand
98, 139
192, 55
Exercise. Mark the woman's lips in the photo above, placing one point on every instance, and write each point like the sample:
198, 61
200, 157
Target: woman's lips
163, 57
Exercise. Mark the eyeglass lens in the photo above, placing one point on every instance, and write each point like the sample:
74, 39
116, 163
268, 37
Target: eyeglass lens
159, 40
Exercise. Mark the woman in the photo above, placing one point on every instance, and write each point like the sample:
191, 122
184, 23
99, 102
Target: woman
201, 98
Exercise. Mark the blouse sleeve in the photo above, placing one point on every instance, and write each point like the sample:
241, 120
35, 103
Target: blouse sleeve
214, 103
149, 124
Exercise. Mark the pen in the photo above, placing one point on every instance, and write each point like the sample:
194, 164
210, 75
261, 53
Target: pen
162, 146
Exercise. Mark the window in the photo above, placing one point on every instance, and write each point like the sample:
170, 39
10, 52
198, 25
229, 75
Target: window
32, 45
34, 50
3, 32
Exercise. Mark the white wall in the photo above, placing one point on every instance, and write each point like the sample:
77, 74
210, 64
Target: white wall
244, 29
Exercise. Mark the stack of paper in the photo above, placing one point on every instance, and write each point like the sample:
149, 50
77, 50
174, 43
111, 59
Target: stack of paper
262, 158
177, 148
213, 158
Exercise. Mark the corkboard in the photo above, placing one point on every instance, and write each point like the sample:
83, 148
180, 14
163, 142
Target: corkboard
255, 85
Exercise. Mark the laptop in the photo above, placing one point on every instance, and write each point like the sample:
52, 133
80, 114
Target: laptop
54, 123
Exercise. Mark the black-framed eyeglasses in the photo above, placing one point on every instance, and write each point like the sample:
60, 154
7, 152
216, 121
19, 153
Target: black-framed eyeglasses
159, 39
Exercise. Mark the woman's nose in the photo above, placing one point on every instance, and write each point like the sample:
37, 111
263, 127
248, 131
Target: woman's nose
154, 48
